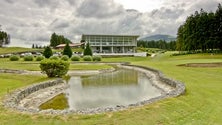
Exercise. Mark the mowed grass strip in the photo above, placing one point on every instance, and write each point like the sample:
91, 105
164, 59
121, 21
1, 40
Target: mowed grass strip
89, 66
201, 105
10, 50
19, 65
34, 65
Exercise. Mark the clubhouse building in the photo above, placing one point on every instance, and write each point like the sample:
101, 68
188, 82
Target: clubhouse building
111, 43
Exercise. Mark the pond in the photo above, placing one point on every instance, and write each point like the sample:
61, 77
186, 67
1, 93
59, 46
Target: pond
120, 87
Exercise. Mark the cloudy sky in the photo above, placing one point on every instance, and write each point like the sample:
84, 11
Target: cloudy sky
33, 21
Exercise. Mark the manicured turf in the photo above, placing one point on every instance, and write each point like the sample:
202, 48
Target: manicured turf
58, 102
89, 66
16, 50
201, 105
34, 65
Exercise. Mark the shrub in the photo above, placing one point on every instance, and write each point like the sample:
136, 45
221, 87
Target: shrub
54, 68
67, 50
65, 58
28, 58
54, 58
47, 52
14, 58
87, 50
97, 58
75, 58
87, 58
40, 58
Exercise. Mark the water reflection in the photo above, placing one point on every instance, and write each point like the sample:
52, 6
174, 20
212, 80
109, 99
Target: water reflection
122, 87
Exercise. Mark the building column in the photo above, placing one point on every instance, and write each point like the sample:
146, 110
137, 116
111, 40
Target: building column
100, 46
112, 46
123, 50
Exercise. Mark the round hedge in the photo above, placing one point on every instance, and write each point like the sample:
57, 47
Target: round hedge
97, 58
28, 58
40, 58
75, 58
14, 58
87, 58
65, 58
54, 68
54, 58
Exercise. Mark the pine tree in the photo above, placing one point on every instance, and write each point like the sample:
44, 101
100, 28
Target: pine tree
218, 30
4, 38
67, 50
54, 40
47, 52
58, 39
88, 50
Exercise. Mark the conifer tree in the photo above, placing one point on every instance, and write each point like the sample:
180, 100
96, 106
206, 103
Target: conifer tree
88, 50
47, 52
67, 50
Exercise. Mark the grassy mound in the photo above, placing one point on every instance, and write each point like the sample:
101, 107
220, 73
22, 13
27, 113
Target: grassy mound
201, 105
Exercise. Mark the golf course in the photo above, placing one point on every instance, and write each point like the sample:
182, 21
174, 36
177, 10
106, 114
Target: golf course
200, 105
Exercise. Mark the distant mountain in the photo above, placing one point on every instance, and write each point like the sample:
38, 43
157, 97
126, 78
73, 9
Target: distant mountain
158, 37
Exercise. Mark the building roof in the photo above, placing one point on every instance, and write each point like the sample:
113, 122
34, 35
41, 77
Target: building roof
71, 45
109, 35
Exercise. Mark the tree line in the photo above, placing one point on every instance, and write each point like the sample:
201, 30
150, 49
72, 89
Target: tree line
201, 31
4, 38
161, 44
58, 39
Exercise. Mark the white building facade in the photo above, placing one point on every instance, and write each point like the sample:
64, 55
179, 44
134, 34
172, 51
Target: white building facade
112, 43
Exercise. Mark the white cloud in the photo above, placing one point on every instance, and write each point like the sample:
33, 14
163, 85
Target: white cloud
34, 21
141, 5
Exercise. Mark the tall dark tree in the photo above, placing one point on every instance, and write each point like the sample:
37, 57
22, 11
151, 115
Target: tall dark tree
218, 30
157, 44
47, 52
4, 38
201, 31
54, 40
67, 50
87, 50
58, 39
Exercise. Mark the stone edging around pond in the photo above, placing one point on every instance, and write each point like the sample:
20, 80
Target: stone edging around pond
13, 99
179, 86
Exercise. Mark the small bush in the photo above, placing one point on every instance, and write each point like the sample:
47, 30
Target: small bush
54, 68
75, 58
87, 51
28, 58
67, 50
54, 58
40, 58
97, 58
87, 58
47, 52
14, 58
65, 58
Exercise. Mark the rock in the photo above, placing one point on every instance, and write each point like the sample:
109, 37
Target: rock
15, 99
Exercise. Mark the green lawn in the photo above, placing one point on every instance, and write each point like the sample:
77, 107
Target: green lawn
89, 66
34, 65
201, 105
16, 49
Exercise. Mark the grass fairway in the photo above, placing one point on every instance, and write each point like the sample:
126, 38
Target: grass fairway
201, 105
16, 50
34, 65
